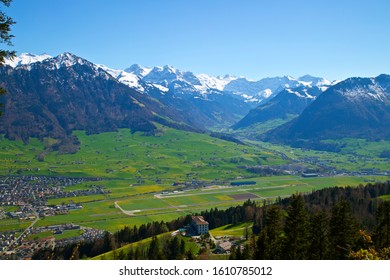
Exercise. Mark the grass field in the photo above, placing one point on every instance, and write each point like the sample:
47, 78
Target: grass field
173, 155
189, 246
136, 170
232, 230
148, 207
355, 155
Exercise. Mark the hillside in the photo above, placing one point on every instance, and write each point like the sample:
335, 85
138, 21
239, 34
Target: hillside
356, 107
286, 103
59, 95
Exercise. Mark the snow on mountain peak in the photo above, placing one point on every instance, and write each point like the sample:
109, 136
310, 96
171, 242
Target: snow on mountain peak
68, 59
138, 70
218, 83
25, 59
362, 88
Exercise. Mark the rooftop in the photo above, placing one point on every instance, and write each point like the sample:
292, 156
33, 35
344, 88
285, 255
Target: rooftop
199, 220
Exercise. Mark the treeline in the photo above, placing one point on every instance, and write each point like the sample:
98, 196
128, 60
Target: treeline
332, 223
98, 246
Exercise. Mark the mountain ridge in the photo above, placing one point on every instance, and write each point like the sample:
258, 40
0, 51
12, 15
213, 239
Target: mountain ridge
58, 95
356, 107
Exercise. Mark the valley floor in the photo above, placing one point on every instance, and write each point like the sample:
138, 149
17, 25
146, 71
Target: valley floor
121, 179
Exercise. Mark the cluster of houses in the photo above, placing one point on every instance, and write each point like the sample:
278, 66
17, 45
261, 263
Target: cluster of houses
25, 248
6, 239
36, 190
28, 197
30, 194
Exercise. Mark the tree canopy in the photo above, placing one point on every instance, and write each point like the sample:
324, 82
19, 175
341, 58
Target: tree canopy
5, 36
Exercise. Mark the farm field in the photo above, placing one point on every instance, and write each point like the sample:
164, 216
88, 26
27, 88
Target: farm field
355, 155
144, 176
171, 155
141, 208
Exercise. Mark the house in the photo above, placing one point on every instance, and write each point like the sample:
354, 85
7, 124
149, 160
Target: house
309, 175
199, 225
242, 183
224, 247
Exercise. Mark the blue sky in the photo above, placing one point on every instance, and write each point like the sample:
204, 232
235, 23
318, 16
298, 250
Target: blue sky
256, 39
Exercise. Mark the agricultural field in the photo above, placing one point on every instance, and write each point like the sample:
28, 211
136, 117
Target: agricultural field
163, 177
171, 155
355, 155
113, 213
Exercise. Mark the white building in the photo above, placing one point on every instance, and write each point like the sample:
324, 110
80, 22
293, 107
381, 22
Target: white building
200, 225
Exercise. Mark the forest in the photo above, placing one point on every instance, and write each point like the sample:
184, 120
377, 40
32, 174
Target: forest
335, 223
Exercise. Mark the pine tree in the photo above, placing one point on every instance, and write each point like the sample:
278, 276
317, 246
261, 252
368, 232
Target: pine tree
319, 236
269, 243
296, 230
382, 231
182, 247
154, 249
5, 28
5, 37
343, 230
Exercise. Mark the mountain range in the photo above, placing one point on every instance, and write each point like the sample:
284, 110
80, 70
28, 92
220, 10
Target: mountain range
355, 108
52, 96
287, 103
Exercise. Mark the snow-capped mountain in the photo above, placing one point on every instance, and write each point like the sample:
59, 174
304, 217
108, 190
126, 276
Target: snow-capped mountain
355, 107
58, 95
217, 100
168, 78
25, 59
210, 82
308, 80
366, 89
130, 79
287, 103
138, 70
262, 90
180, 95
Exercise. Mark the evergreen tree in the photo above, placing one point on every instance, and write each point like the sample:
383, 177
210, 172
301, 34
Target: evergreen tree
319, 231
174, 249
269, 245
130, 253
154, 249
5, 37
382, 231
296, 230
5, 28
343, 230
182, 248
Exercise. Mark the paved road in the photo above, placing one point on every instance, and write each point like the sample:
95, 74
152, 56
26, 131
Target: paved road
26, 230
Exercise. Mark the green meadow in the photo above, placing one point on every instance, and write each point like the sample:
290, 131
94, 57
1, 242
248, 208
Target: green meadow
171, 155
138, 172
237, 230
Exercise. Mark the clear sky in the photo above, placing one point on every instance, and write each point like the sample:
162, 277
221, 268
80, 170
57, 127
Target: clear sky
335, 39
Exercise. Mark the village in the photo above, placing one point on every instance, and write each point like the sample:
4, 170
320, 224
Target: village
27, 196
17, 247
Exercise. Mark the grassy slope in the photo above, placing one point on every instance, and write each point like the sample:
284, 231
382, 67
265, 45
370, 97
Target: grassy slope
174, 155
144, 244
